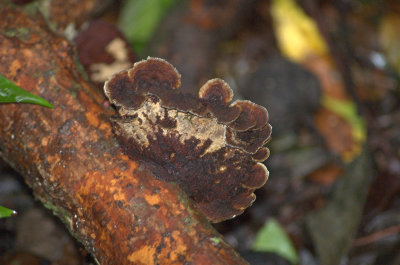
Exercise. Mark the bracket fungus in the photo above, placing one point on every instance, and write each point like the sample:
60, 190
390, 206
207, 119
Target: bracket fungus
210, 147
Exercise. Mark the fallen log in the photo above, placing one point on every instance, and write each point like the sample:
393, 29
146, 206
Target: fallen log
69, 157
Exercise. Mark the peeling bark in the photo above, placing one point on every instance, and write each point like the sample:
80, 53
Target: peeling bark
68, 155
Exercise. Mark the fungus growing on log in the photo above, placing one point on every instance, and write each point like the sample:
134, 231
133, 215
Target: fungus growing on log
210, 147
103, 54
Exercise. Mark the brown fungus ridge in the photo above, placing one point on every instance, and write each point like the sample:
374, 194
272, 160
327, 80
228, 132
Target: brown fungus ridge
217, 95
252, 116
251, 140
123, 94
261, 155
211, 147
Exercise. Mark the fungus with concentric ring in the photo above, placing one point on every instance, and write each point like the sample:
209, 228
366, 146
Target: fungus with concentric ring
211, 147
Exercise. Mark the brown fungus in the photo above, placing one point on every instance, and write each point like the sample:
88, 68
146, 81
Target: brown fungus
103, 54
252, 116
217, 94
261, 155
251, 140
211, 147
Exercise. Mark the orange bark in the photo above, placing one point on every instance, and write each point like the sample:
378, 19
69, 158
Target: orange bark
68, 155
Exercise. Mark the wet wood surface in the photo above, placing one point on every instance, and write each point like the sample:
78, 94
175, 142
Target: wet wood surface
69, 157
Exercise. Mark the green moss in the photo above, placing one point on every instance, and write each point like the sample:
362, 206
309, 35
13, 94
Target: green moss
73, 93
80, 68
22, 33
186, 220
31, 9
62, 213
215, 240
76, 86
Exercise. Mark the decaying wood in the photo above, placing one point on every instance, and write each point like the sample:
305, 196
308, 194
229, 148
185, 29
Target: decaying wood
68, 155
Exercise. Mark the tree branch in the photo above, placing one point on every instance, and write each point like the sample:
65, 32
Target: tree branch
69, 157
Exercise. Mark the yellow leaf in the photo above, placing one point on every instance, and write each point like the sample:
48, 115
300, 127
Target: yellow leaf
390, 39
297, 34
348, 111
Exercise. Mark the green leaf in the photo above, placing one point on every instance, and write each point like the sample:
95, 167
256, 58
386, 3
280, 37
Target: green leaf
5, 212
139, 18
273, 238
11, 93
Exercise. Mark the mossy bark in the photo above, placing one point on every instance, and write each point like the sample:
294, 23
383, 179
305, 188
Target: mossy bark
69, 157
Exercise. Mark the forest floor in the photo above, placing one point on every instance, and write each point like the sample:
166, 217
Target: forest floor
328, 74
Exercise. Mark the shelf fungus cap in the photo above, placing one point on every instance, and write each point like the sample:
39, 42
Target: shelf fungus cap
211, 147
